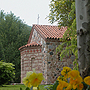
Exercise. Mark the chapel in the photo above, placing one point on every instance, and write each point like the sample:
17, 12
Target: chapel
40, 53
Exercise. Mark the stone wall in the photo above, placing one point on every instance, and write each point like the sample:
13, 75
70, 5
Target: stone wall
52, 65
44, 59
37, 38
31, 58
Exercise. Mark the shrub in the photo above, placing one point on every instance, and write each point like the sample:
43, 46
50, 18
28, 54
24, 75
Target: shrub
6, 72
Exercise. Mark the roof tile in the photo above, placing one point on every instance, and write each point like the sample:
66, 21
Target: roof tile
45, 31
48, 31
30, 45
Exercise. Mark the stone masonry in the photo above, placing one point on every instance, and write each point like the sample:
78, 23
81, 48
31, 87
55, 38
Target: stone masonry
43, 57
30, 58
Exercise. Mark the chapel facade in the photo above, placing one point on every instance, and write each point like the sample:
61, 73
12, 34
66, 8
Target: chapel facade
40, 53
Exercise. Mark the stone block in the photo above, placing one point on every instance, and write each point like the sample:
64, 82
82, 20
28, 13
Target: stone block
50, 47
51, 53
47, 43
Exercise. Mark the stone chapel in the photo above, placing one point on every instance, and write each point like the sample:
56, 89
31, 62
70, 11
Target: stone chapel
40, 53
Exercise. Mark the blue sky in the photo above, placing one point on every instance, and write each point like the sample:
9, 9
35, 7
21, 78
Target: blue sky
28, 10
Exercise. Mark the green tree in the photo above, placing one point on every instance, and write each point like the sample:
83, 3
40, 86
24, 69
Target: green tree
59, 10
63, 11
1, 51
13, 34
6, 72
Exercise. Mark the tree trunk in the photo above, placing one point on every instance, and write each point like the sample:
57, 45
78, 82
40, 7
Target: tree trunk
83, 36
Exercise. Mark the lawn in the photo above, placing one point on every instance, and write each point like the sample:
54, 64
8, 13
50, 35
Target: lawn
17, 87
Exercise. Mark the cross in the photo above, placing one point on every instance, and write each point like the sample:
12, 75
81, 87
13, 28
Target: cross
38, 19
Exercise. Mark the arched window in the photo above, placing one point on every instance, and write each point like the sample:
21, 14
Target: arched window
32, 62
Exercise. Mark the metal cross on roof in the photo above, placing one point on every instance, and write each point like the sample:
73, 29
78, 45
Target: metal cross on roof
38, 19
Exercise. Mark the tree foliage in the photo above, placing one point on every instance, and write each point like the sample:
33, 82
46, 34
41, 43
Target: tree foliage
59, 10
63, 11
6, 72
13, 34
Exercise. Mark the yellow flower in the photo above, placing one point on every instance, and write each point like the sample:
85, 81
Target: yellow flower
73, 74
75, 81
87, 80
26, 82
28, 73
69, 87
59, 87
80, 86
62, 84
65, 71
32, 79
35, 88
65, 84
36, 78
61, 78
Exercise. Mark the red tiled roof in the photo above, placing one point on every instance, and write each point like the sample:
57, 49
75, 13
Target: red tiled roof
48, 31
30, 45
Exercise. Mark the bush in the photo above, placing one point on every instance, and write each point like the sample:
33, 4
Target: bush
6, 72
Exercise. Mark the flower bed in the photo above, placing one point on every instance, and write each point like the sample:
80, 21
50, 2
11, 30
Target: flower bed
69, 80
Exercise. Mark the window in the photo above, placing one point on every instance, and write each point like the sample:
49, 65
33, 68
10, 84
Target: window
22, 64
32, 62
59, 57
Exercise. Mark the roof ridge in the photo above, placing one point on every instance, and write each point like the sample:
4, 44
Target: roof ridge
44, 25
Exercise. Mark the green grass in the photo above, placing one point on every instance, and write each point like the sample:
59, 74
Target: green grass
12, 87
17, 87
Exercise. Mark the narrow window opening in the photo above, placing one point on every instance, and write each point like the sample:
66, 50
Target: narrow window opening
59, 57
32, 63
23, 65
